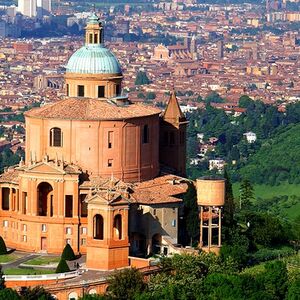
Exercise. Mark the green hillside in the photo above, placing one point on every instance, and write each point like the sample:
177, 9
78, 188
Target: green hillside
282, 200
277, 161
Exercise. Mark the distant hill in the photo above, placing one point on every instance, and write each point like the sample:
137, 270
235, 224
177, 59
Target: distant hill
277, 161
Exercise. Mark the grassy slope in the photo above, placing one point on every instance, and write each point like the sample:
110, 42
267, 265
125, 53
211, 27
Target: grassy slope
266, 192
277, 160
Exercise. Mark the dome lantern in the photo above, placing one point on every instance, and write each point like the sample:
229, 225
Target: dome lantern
93, 31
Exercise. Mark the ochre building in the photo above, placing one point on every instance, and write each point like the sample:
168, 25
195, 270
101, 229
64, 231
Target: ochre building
100, 172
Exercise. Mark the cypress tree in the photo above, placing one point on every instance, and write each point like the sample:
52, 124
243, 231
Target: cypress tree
68, 253
2, 280
191, 212
246, 194
62, 267
3, 249
229, 208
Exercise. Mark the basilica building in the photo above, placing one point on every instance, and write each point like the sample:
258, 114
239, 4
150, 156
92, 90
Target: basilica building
101, 173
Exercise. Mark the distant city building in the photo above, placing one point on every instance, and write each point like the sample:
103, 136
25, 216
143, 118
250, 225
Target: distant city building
220, 46
27, 8
43, 7
216, 164
250, 137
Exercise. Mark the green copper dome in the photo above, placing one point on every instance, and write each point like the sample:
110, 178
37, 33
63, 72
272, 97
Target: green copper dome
93, 59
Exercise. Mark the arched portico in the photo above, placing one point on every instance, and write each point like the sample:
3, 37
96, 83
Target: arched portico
45, 199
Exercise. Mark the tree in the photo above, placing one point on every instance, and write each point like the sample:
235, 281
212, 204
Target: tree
68, 253
191, 212
150, 96
2, 280
229, 207
37, 292
62, 267
125, 284
214, 97
236, 248
9, 294
296, 230
294, 290
141, 78
245, 101
246, 194
3, 249
274, 279
141, 95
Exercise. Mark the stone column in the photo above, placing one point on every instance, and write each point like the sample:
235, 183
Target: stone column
55, 200
33, 206
61, 199
17, 200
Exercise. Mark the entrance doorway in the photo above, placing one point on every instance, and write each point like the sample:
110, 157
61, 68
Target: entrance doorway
44, 244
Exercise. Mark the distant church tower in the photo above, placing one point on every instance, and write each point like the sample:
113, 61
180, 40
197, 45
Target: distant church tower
173, 137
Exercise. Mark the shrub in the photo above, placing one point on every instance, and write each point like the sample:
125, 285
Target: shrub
9, 294
62, 267
125, 284
266, 254
68, 253
3, 249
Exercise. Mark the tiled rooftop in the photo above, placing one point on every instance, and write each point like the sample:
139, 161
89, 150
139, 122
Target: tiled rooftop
91, 109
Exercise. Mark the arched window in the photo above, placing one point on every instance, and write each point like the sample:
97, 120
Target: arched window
146, 134
98, 227
118, 227
55, 137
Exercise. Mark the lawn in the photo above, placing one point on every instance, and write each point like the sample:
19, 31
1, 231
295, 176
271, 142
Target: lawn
43, 260
23, 271
268, 192
5, 258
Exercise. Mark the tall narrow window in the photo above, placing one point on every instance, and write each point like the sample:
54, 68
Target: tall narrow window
110, 139
101, 91
91, 38
95, 38
69, 206
68, 87
145, 134
98, 227
80, 91
24, 202
118, 89
55, 137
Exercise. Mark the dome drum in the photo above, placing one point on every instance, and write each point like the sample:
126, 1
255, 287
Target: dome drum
97, 86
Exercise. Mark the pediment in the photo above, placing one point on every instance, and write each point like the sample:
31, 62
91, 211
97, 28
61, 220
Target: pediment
46, 168
106, 199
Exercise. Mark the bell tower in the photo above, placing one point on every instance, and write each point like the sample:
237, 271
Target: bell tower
107, 242
172, 153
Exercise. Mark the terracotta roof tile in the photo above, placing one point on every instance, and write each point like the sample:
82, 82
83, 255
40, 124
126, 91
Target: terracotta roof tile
163, 189
10, 176
91, 109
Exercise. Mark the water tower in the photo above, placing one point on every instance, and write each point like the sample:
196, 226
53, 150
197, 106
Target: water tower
210, 198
